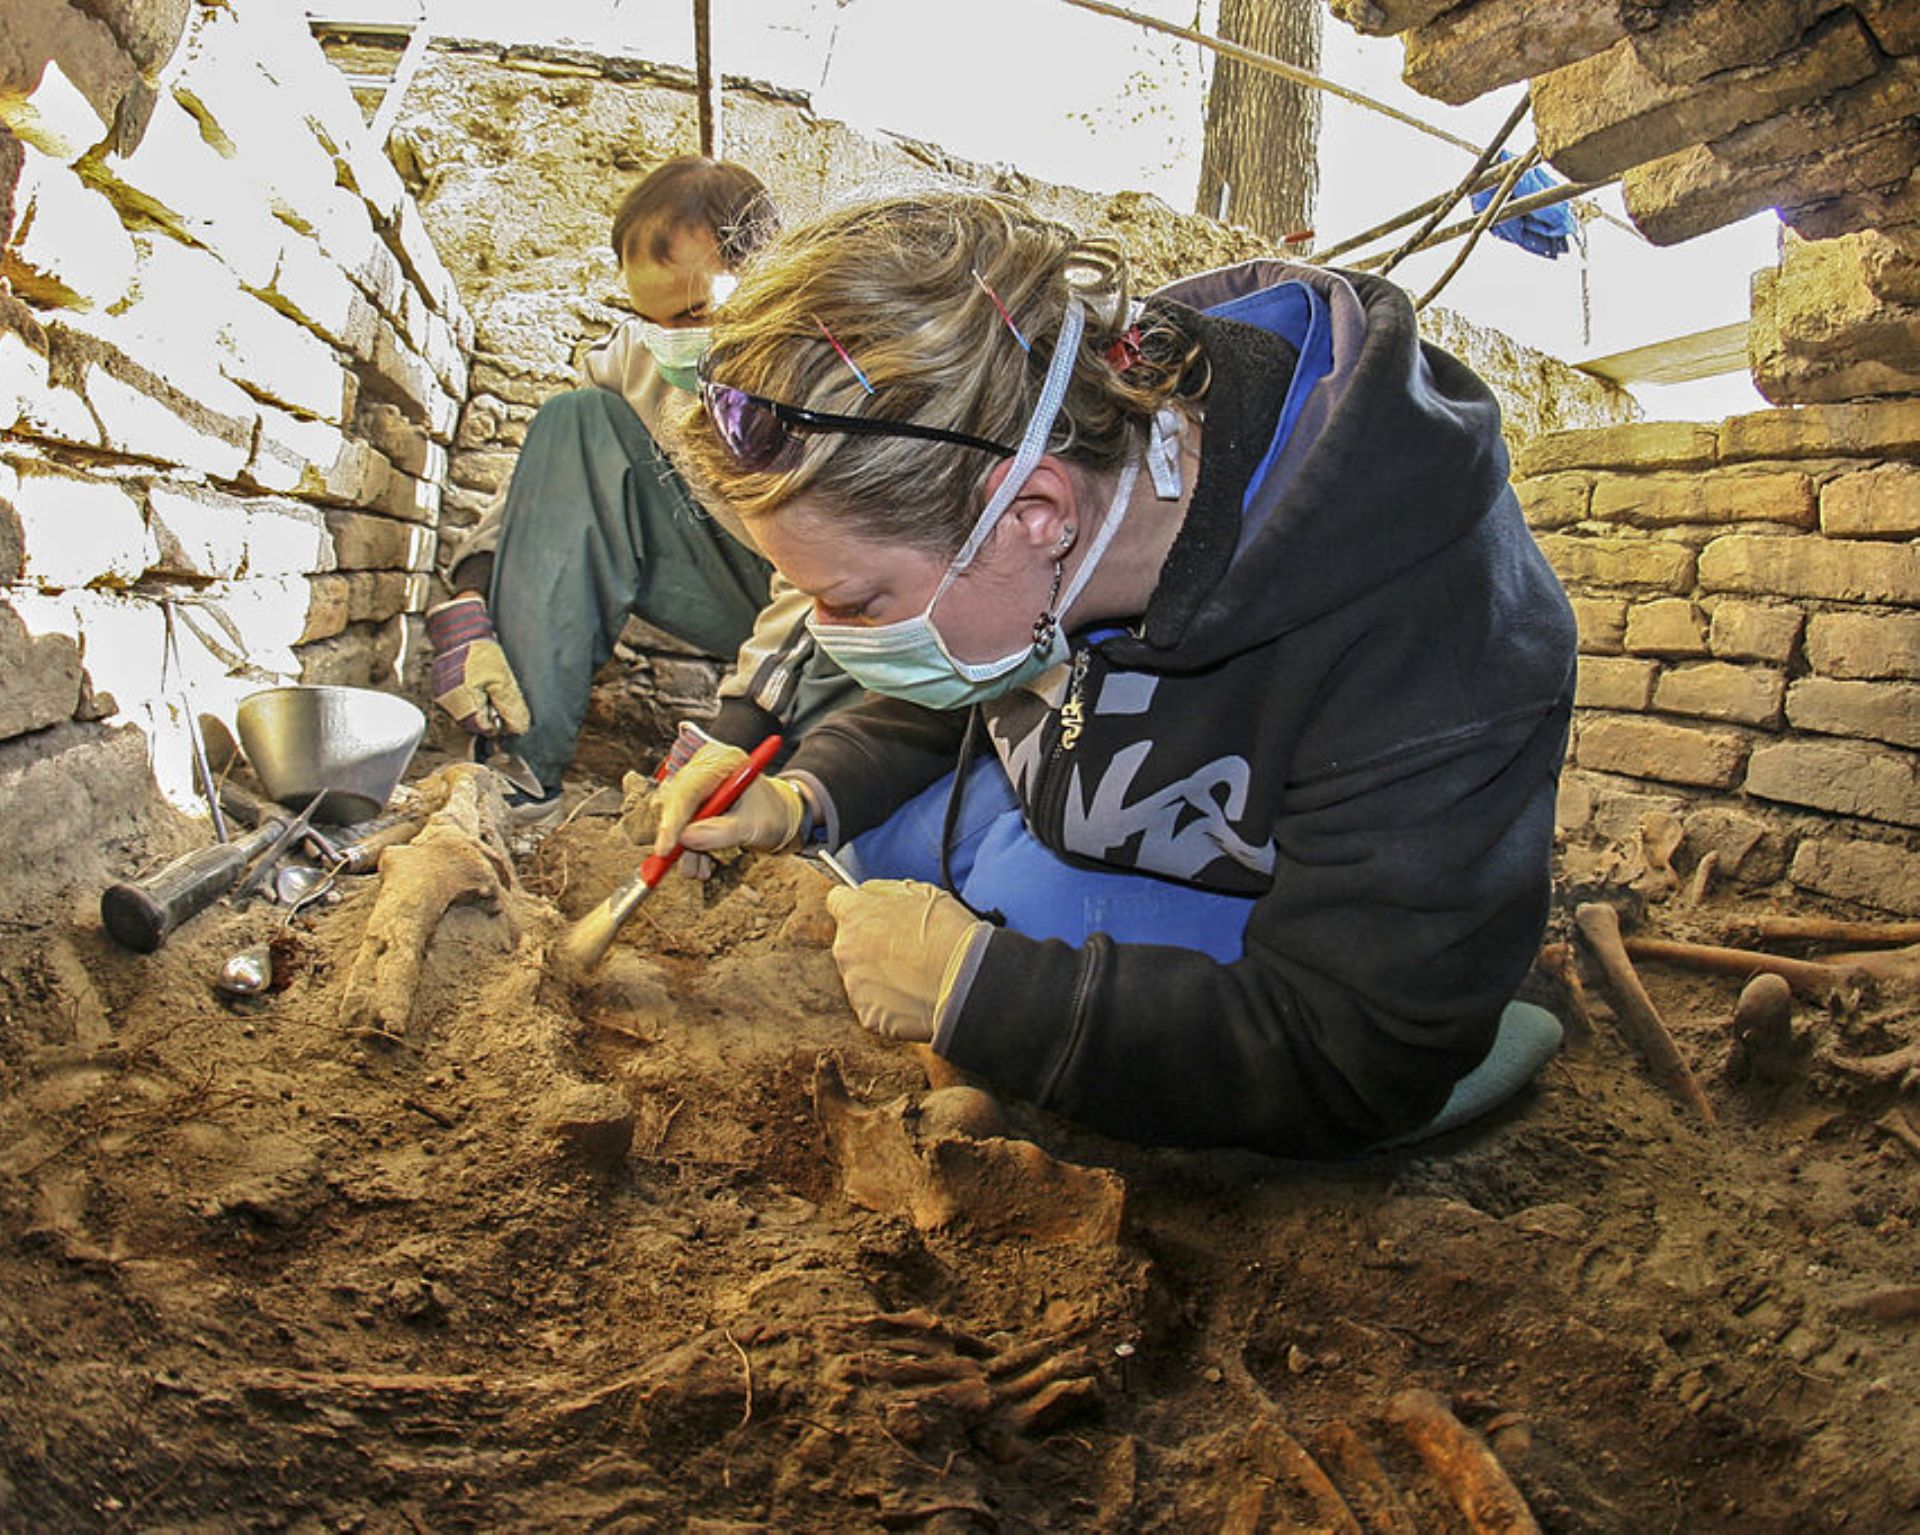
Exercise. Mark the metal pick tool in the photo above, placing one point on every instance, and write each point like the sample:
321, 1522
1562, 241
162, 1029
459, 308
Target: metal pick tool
835, 867
275, 849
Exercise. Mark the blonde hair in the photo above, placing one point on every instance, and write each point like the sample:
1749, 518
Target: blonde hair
894, 282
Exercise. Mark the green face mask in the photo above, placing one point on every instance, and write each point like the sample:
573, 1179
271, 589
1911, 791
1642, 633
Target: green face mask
677, 351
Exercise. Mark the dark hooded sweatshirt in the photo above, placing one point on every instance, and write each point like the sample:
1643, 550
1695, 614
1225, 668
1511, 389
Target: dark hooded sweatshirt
1348, 697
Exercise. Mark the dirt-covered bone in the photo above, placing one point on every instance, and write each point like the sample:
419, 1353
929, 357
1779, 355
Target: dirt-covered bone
459, 858
934, 1170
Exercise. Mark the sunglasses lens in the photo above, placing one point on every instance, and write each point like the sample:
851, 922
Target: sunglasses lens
749, 431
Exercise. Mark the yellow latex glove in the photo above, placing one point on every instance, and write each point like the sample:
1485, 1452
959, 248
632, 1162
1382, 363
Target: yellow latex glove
471, 678
770, 815
899, 947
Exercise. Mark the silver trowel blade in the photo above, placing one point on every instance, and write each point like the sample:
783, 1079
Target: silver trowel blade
513, 767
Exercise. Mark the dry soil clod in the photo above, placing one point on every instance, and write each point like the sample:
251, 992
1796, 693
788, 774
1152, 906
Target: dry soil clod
999, 1187
1599, 924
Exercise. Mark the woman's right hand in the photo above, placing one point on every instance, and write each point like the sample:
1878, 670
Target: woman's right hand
770, 813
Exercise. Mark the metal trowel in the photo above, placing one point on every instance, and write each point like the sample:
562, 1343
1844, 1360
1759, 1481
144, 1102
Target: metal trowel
513, 767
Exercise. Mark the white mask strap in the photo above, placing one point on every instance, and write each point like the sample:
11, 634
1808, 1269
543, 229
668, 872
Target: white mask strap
1116, 514
1053, 393
1163, 453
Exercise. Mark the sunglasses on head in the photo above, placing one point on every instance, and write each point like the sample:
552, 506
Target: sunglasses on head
759, 433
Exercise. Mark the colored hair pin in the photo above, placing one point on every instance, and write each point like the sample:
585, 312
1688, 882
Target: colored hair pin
1025, 345
1124, 351
845, 356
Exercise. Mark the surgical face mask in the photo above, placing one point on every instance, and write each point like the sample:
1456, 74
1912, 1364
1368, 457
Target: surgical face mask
677, 350
910, 660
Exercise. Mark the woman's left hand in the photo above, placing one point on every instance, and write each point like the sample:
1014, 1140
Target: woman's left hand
899, 948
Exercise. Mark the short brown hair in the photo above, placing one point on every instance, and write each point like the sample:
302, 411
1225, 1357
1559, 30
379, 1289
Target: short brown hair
694, 193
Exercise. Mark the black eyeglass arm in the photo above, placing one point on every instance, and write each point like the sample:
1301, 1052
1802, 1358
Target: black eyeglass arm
801, 419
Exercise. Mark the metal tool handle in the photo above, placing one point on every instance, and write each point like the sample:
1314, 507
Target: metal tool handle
282, 840
140, 915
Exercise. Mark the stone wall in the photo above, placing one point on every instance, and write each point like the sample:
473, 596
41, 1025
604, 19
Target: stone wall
230, 365
1750, 648
1839, 319
1750, 644
1709, 110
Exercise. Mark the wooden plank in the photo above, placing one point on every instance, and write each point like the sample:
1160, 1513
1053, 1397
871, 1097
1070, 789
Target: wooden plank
1676, 360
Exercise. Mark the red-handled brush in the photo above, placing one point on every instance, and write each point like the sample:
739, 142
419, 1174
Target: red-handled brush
589, 938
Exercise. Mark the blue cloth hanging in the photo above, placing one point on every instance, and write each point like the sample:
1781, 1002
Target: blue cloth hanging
1546, 231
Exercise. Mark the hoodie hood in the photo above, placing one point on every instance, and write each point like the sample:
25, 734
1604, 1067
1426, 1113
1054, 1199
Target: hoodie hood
1338, 451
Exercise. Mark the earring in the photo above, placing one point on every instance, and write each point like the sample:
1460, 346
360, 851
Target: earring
1067, 535
1048, 621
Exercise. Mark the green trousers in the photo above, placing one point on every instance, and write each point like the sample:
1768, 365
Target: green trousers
598, 525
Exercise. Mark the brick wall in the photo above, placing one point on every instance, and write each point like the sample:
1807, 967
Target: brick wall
231, 362
1749, 638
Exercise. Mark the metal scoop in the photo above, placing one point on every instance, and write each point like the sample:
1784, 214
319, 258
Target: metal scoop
295, 884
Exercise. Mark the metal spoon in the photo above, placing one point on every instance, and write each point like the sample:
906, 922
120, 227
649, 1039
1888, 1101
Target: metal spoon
295, 884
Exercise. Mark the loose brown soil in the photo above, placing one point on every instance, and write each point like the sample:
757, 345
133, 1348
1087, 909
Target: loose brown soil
689, 1250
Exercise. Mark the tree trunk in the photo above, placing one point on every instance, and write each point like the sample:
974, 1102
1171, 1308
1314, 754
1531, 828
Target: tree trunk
1258, 167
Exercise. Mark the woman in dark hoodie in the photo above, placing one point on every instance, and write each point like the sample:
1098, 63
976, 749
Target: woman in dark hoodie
1220, 692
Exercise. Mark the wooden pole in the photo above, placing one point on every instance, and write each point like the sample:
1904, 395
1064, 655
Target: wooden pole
707, 79
414, 55
1512, 210
1275, 66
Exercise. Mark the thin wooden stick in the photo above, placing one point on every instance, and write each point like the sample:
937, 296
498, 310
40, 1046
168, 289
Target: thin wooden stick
1599, 924
746, 1368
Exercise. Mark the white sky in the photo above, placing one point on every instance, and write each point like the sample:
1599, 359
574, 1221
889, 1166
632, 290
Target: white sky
1090, 101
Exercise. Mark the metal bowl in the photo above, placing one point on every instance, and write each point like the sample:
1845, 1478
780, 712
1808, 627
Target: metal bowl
352, 742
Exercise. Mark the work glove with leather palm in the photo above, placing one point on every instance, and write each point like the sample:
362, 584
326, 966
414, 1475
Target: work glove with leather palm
770, 813
471, 678
900, 947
